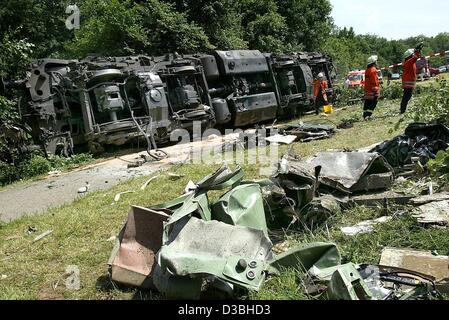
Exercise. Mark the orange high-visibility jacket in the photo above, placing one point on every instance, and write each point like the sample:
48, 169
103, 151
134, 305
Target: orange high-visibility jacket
372, 84
320, 86
409, 73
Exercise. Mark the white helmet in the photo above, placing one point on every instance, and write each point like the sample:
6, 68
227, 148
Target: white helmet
372, 59
409, 53
320, 75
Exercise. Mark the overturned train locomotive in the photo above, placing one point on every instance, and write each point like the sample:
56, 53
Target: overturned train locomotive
102, 101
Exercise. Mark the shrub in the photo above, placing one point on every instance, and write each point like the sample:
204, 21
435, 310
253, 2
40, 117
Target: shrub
59, 163
441, 163
344, 96
37, 165
8, 173
393, 91
80, 158
432, 105
439, 168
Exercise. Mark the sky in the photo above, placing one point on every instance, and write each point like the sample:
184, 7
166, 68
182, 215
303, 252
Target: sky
393, 19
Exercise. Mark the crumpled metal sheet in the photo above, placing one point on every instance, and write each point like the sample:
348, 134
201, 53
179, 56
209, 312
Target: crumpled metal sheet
242, 206
346, 283
369, 282
373, 282
309, 256
326, 274
346, 171
211, 248
319, 210
297, 181
191, 247
296, 177
196, 202
322, 261
133, 259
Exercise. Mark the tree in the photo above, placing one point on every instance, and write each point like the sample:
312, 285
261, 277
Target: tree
15, 56
346, 33
108, 28
308, 21
220, 20
345, 52
168, 30
126, 27
440, 42
40, 22
265, 29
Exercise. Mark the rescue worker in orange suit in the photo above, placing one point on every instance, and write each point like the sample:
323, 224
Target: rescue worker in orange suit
409, 75
372, 88
319, 92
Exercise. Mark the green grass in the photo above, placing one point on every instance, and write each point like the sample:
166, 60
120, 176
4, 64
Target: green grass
81, 230
402, 232
363, 133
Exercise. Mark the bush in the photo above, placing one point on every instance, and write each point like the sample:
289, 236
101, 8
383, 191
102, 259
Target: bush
393, 91
441, 163
439, 168
37, 165
59, 163
8, 119
8, 173
432, 105
344, 96
80, 158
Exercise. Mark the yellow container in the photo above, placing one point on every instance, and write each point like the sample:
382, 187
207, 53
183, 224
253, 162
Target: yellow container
328, 109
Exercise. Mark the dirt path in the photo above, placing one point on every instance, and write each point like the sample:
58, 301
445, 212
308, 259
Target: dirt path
37, 197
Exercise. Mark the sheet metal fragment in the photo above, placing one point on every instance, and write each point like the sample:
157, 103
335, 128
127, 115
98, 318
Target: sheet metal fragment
133, 258
211, 248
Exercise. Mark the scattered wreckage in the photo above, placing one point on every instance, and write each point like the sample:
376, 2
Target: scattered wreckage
192, 247
99, 101
306, 132
419, 144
